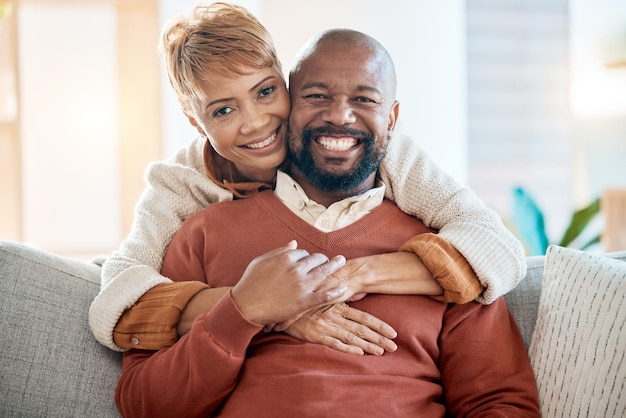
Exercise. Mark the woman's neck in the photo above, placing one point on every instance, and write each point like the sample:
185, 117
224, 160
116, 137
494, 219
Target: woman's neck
230, 173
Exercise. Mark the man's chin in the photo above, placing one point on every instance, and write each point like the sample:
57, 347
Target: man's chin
333, 169
334, 165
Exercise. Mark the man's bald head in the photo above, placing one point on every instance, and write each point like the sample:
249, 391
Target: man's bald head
345, 40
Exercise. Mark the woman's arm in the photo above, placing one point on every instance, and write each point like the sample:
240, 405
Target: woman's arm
447, 277
138, 307
441, 272
420, 188
400, 273
175, 189
340, 326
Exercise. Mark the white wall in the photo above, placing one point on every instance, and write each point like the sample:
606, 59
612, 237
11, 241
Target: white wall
598, 40
68, 92
69, 127
598, 95
69, 99
425, 38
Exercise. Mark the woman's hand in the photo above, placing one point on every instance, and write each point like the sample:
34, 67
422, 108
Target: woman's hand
344, 329
287, 282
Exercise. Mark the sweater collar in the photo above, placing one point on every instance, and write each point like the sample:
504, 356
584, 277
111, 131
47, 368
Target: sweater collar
337, 215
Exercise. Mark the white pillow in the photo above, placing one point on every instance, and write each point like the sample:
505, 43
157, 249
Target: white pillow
578, 347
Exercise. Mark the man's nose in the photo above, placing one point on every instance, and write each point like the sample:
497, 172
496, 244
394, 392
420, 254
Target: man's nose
339, 112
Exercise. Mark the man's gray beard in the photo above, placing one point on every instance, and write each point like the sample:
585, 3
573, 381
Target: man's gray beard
331, 182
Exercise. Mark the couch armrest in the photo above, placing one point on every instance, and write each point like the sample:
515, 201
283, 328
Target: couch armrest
50, 363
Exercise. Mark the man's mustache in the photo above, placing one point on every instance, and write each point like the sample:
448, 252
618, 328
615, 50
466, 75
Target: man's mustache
334, 131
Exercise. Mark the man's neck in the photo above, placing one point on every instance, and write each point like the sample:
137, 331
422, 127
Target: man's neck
328, 198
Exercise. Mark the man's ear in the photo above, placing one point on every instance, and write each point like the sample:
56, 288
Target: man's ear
393, 116
196, 125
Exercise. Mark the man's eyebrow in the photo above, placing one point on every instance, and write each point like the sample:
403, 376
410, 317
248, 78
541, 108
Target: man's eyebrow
321, 85
313, 85
371, 89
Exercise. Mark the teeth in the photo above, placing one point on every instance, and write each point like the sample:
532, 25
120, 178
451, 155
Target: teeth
337, 144
262, 144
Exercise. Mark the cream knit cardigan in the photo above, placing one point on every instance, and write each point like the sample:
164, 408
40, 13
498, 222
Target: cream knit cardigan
178, 188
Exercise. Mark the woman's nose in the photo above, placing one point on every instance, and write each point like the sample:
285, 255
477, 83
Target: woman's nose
254, 119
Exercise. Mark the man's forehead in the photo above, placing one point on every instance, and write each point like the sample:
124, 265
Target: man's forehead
341, 54
356, 75
342, 60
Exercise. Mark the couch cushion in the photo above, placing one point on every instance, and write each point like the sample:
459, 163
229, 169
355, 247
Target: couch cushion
50, 364
578, 347
523, 300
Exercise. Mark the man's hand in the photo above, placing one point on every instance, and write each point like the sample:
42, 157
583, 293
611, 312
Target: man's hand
345, 329
285, 283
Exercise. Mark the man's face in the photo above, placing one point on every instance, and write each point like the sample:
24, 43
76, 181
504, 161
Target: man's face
343, 112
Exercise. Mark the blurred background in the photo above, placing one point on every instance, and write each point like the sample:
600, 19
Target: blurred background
524, 101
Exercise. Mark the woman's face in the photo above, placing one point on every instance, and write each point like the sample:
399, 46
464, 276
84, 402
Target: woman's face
245, 120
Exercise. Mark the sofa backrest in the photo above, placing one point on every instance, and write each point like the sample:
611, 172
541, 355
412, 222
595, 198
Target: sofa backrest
50, 363
523, 301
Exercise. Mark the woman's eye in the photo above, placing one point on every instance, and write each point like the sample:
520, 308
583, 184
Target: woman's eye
267, 91
222, 111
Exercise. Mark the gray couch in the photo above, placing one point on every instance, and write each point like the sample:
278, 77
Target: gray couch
51, 366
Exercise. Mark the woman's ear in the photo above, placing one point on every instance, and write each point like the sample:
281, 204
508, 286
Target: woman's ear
196, 125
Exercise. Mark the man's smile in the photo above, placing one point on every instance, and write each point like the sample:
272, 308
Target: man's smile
337, 144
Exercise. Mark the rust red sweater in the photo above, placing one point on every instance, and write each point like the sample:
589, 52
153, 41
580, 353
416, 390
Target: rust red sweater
460, 360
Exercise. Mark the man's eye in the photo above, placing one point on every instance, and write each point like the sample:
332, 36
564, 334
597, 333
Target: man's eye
364, 99
267, 91
315, 96
222, 111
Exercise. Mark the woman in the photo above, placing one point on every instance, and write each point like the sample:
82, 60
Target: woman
223, 67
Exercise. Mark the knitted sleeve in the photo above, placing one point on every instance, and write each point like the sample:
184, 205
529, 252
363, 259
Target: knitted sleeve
176, 188
420, 188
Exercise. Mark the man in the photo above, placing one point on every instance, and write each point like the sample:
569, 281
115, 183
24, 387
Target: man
455, 360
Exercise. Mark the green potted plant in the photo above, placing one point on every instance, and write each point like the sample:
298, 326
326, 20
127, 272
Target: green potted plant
529, 224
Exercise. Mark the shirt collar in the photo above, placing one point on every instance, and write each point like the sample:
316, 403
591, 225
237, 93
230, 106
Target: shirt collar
292, 194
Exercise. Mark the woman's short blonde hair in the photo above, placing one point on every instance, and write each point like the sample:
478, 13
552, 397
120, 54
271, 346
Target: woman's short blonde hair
217, 38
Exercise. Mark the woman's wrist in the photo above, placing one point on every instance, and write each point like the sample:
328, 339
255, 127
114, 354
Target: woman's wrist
392, 273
